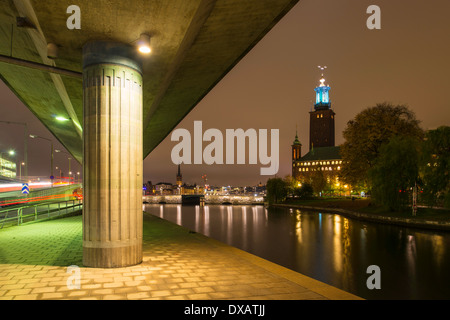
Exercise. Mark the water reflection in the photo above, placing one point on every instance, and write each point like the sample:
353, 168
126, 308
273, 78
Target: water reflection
179, 215
414, 263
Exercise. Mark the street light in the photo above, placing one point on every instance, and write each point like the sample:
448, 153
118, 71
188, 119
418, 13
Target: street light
60, 174
10, 152
33, 136
70, 172
20, 170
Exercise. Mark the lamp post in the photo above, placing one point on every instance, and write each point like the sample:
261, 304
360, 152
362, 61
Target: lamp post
33, 136
69, 158
60, 173
20, 170
25, 143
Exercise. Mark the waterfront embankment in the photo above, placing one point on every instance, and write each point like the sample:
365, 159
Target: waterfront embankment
356, 210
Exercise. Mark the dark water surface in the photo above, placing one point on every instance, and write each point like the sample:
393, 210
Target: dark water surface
414, 263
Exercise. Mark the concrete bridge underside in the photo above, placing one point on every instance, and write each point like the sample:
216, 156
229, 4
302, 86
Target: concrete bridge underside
195, 44
121, 105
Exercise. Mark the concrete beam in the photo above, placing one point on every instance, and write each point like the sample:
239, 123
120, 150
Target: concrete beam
201, 15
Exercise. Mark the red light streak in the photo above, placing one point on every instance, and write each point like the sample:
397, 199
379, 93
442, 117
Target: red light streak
34, 199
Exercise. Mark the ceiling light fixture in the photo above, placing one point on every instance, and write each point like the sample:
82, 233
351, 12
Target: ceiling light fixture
62, 119
144, 44
52, 51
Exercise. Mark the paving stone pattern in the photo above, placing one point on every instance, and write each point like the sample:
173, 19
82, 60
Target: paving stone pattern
178, 264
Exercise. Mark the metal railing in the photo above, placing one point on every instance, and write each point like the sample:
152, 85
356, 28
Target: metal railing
51, 209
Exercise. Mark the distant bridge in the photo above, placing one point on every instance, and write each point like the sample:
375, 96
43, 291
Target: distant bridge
209, 199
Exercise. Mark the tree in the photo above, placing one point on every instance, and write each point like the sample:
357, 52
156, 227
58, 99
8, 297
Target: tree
291, 185
435, 165
318, 181
395, 172
365, 135
276, 190
305, 191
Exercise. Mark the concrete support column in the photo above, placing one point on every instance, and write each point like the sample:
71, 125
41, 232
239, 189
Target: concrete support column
113, 159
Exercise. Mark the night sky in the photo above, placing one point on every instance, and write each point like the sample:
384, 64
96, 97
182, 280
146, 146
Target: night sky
406, 62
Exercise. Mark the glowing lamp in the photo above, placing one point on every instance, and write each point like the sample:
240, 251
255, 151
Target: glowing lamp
62, 119
144, 44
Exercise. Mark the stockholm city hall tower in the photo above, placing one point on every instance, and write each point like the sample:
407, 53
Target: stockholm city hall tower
321, 123
323, 155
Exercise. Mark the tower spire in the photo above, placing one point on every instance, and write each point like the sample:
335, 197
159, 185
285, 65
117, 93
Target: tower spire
296, 141
179, 176
322, 68
322, 93
322, 118
296, 152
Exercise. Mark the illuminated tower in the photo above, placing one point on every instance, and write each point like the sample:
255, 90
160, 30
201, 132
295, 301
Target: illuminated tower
296, 153
179, 177
321, 130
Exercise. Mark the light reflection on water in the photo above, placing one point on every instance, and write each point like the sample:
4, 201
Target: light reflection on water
414, 263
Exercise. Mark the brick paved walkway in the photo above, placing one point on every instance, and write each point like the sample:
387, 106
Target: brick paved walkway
177, 265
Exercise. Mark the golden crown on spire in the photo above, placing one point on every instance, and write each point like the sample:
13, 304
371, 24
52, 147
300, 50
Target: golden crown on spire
322, 80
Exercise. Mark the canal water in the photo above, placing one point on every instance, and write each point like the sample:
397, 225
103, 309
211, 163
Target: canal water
414, 263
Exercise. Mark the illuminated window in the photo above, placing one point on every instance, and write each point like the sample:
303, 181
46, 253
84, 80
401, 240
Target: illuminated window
339, 168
